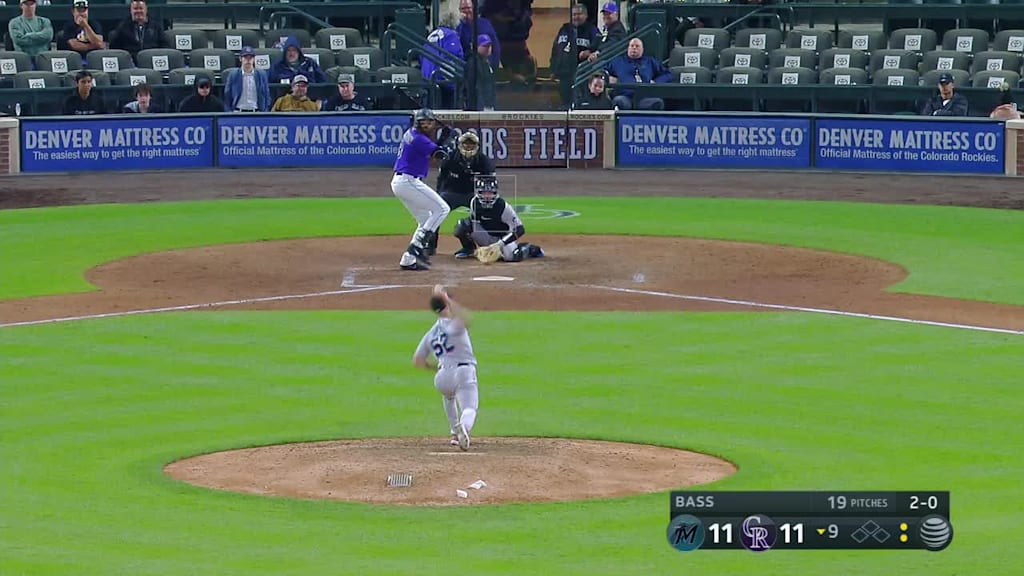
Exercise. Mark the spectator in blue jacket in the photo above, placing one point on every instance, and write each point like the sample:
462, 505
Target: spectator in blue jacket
635, 68
293, 62
247, 88
483, 26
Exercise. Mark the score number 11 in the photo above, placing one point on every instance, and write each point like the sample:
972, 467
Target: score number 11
791, 533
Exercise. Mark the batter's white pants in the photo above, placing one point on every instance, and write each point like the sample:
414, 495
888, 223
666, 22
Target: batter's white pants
425, 205
458, 387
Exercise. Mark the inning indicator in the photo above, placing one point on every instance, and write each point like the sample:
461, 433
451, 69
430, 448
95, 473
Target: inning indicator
763, 521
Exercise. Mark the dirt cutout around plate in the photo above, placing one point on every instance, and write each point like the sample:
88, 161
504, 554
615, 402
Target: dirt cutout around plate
513, 469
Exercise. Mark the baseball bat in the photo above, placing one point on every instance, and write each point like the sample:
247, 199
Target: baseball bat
417, 104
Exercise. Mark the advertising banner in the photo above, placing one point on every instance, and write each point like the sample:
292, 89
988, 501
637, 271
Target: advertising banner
908, 145
536, 139
310, 140
149, 143
713, 142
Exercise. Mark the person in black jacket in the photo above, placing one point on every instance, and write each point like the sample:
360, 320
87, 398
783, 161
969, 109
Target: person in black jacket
203, 100
138, 32
84, 101
347, 99
613, 29
574, 43
595, 97
947, 102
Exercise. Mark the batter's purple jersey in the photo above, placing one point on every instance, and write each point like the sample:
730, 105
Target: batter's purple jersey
414, 154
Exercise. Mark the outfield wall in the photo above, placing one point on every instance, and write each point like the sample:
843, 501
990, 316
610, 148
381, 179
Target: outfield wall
658, 140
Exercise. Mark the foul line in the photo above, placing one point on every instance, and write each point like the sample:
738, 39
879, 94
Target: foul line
204, 305
812, 310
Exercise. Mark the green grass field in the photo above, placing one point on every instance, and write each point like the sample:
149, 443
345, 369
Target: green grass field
91, 411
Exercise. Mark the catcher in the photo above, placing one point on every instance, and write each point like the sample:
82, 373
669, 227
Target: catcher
493, 229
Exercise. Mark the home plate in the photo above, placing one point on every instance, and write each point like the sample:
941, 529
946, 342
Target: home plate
493, 278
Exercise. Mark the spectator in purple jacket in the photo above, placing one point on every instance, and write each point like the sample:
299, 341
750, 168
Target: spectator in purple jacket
512, 21
483, 26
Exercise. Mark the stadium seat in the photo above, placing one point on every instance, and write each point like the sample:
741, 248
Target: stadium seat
739, 100
186, 39
714, 38
693, 56
995, 78
99, 78
322, 56
796, 75
793, 58
37, 79
274, 38
968, 40
188, 76
895, 77
931, 77
864, 41
766, 39
13, 62
816, 40
213, 59
160, 59
992, 60
234, 39
843, 58
335, 39
790, 77
362, 76
367, 58
399, 75
944, 60
892, 60
743, 57
134, 76
739, 75
843, 76
109, 61
267, 57
1009, 41
691, 74
59, 61
917, 40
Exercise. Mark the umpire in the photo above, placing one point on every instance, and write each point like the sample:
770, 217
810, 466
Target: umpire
455, 177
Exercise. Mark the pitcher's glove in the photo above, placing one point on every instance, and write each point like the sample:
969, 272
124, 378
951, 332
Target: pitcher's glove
489, 254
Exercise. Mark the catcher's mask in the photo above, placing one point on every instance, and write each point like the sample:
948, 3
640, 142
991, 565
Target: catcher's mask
469, 145
485, 187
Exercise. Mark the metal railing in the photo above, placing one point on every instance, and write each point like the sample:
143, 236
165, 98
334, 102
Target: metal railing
286, 9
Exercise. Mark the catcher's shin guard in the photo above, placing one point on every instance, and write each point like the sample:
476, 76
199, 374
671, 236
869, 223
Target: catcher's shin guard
464, 232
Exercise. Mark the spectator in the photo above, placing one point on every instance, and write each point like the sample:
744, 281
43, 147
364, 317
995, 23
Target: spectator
485, 84
574, 43
247, 89
81, 34
595, 97
613, 29
635, 68
947, 102
143, 103
296, 101
483, 26
347, 100
512, 20
203, 100
30, 34
294, 63
84, 101
138, 32
1007, 108
444, 37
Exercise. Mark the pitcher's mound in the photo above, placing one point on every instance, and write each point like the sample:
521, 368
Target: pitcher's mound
512, 469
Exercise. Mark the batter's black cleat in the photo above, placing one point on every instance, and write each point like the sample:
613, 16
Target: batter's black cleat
415, 266
419, 253
463, 254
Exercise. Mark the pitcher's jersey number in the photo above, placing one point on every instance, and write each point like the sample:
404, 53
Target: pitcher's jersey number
440, 344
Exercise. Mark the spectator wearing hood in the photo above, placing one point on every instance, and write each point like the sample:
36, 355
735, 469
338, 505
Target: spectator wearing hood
293, 63
203, 100
143, 103
247, 89
445, 38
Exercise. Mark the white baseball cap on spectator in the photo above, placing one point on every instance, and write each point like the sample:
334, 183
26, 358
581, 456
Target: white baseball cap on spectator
300, 78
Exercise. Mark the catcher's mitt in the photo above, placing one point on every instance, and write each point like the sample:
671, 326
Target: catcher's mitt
489, 254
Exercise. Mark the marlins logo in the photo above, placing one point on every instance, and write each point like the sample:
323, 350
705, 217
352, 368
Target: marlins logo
686, 533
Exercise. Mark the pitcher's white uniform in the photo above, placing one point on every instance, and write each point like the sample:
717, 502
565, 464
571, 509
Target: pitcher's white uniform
448, 340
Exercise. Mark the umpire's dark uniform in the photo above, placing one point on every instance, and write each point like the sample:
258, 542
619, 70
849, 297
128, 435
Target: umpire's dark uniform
455, 178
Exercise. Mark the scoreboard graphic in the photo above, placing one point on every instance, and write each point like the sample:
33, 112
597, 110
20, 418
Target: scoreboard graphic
763, 521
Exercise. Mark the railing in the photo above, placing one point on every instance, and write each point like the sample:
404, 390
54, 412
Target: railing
614, 50
279, 9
